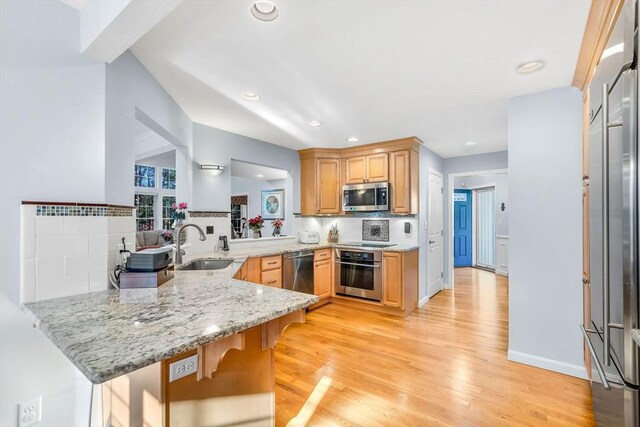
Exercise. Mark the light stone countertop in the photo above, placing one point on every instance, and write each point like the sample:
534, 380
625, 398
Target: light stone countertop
110, 333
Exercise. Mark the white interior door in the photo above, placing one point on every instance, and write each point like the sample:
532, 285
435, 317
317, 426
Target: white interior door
435, 233
486, 228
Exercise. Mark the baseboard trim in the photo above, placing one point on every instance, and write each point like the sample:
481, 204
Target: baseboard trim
423, 301
577, 371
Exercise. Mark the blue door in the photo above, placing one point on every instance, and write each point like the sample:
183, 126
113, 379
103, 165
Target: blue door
462, 228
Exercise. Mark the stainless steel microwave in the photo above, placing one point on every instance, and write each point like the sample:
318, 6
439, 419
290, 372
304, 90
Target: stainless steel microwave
366, 197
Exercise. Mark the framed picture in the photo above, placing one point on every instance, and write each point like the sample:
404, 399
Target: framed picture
273, 204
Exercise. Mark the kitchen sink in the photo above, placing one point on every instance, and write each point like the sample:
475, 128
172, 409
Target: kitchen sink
205, 264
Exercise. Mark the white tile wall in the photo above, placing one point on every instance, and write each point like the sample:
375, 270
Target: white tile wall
221, 226
350, 229
62, 256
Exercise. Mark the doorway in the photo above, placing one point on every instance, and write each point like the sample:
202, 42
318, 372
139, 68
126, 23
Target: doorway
486, 228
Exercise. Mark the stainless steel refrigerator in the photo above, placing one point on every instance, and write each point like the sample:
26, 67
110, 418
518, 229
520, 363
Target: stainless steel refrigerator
613, 226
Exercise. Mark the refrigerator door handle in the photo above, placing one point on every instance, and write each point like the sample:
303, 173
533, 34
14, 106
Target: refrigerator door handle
605, 224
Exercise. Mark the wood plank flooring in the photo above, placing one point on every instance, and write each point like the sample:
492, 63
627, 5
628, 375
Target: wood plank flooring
443, 365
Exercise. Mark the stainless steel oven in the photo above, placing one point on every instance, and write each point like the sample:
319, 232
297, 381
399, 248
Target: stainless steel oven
366, 197
359, 273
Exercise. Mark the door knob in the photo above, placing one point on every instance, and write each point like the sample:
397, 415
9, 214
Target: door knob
431, 241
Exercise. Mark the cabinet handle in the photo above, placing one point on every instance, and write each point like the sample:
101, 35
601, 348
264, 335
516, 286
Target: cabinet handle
271, 282
272, 262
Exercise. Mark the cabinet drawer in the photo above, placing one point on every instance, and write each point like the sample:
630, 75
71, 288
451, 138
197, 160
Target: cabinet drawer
322, 254
272, 278
271, 262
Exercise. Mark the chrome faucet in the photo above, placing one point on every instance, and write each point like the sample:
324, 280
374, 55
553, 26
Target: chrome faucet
180, 252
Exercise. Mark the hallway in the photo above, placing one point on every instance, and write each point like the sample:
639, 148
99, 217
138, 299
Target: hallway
445, 364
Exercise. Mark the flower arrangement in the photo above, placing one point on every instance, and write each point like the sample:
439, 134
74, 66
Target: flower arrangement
179, 213
256, 223
277, 225
167, 236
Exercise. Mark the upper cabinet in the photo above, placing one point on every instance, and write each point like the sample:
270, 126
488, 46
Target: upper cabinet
320, 183
323, 172
371, 168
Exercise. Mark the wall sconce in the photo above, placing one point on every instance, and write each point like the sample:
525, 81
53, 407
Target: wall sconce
212, 169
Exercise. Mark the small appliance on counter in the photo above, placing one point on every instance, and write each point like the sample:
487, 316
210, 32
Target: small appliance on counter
149, 268
309, 237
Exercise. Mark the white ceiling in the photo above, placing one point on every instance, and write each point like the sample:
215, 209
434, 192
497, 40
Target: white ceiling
251, 170
379, 70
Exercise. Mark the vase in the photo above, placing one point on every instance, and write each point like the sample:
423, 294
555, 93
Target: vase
256, 234
276, 232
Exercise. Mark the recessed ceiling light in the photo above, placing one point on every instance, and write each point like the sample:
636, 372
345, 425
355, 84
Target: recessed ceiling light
251, 96
264, 10
315, 123
260, 175
470, 143
353, 139
530, 67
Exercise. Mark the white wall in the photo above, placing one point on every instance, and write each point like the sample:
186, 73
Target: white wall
501, 182
52, 125
132, 94
253, 189
545, 254
475, 163
215, 146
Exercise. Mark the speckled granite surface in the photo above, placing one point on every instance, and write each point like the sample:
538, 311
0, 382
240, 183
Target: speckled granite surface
110, 333
635, 334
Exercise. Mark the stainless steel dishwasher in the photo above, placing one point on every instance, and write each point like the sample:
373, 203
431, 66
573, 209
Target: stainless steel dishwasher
298, 271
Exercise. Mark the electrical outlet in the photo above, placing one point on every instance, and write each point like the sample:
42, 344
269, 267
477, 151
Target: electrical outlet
30, 412
183, 367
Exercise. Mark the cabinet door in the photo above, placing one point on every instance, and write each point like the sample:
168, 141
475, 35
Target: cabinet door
328, 183
378, 168
272, 278
400, 182
392, 279
356, 170
322, 278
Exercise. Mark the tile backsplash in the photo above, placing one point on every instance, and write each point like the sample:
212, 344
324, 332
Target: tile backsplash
68, 250
351, 229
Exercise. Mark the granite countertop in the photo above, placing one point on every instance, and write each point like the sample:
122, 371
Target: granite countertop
635, 334
111, 333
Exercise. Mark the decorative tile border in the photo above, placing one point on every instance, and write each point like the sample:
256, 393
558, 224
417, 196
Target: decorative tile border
375, 230
83, 210
208, 214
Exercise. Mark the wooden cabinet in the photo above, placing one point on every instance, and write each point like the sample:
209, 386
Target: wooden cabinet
392, 279
324, 171
328, 179
371, 168
404, 182
322, 278
322, 254
271, 271
320, 182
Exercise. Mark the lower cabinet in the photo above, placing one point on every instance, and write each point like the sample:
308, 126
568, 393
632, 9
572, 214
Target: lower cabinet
322, 278
265, 271
392, 279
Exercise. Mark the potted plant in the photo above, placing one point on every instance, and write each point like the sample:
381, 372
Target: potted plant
167, 236
256, 225
277, 225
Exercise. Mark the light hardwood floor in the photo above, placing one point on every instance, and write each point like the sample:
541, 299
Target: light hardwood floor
445, 364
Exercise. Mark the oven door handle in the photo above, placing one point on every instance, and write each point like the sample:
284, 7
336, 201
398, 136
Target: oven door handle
374, 265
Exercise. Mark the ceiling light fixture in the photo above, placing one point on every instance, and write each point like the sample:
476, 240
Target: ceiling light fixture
353, 139
530, 67
251, 96
260, 175
212, 169
264, 11
469, 143
315, 123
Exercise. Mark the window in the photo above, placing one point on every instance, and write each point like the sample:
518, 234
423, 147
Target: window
167, 211
145, 176
168, 179
144, 204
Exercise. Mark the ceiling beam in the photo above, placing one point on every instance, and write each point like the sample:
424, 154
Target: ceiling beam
602, 18
109, 28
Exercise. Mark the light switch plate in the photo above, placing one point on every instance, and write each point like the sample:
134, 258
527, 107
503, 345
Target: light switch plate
183, 367
30, 412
